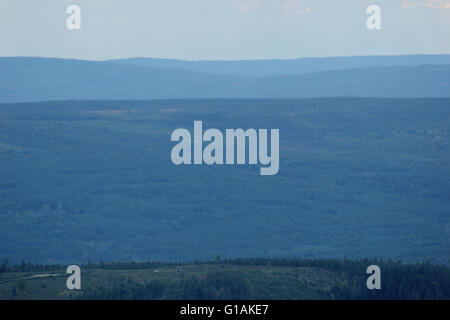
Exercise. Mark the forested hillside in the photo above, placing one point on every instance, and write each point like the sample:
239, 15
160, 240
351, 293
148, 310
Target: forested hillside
93, 180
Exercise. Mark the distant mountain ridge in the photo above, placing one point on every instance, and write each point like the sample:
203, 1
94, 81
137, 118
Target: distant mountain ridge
25, 79
274, 67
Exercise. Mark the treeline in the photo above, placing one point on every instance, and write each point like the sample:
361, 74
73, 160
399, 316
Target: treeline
29, 267
212, 286
398, 280
36, 267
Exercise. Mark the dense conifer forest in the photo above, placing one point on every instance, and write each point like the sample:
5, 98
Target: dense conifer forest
229, 279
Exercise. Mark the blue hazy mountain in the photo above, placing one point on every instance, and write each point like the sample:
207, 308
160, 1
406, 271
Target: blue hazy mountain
259, 68
32, 79
38, 79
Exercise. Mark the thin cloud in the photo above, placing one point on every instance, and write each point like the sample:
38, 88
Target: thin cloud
432, 4
296, 7
245, 6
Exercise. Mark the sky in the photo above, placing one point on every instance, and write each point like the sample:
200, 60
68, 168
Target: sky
222, 29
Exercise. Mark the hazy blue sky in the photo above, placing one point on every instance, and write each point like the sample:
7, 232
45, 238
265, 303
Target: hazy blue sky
222, 29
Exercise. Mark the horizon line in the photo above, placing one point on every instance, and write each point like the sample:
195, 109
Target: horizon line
230, 60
